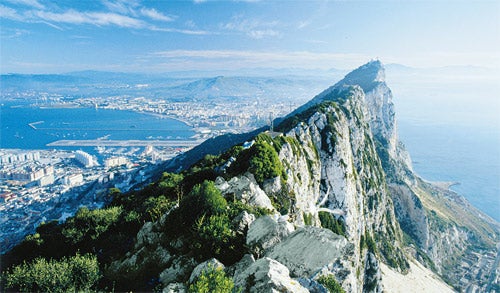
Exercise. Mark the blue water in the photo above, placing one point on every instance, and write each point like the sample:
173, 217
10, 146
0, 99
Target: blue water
469, 155
82, 123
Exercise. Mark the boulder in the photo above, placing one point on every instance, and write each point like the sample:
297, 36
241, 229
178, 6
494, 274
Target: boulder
236, 269
309, 249
265, 232
246, 189
199, 269
267, 275
179, 270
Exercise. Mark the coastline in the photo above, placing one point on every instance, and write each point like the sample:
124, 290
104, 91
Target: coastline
446, 185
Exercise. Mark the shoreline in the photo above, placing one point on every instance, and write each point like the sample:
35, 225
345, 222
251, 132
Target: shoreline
447, 185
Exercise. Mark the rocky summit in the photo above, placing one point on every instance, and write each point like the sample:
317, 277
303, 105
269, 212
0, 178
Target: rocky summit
326, 201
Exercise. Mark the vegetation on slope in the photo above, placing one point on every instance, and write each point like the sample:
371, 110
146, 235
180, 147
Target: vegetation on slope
196, 212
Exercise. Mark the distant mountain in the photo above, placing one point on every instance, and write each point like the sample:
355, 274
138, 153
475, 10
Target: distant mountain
163, 86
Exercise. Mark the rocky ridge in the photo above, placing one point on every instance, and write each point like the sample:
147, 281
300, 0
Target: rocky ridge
330, 194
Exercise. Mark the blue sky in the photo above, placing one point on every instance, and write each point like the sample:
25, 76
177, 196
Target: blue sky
40, 36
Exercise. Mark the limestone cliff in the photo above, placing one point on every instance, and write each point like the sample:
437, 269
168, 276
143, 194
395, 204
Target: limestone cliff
329, 194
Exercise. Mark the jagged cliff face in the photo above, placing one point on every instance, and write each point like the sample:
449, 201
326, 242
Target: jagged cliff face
341, 157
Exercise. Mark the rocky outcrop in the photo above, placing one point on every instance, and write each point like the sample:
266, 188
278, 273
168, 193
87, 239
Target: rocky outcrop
204, 266
267, 275
312, 250
245, 189
266, 232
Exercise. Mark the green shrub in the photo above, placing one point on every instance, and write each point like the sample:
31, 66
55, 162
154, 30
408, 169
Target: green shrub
74, 274
265, 163
331, 284
90, 224
328, 221
212, 280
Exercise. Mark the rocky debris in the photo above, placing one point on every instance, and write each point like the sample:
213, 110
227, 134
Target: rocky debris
410, 214
199, 269
179, 270
246, 189
309, 249
265, 232
175, 288
267, 275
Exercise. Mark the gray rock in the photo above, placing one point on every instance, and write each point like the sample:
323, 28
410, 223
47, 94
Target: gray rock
199, 269
175, 288
246, 189
308, 250
236, 269
265, 232
267, 275
179, 270
243, 221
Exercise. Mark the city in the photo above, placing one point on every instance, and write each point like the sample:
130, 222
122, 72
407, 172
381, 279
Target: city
42, 185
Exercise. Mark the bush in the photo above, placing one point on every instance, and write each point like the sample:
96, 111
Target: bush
77, 273
328, 221
331, 284
212, 280
90, 224
215, 234
265, 163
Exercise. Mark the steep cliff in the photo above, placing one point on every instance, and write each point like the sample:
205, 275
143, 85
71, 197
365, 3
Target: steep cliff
328, 200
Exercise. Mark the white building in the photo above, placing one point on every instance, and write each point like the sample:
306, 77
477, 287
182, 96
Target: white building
73, 180
85, 159
115, 161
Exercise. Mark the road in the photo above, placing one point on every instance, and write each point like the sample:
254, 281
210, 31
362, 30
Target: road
125, 143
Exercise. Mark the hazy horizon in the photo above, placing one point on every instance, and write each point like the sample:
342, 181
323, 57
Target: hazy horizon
41, 36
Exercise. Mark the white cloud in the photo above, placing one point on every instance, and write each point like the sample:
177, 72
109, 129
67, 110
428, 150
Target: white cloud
32, 3
8, 33
253, 28
181, 31
95, 18
9, 13
243, 59
122, 6
155, 15
303, 24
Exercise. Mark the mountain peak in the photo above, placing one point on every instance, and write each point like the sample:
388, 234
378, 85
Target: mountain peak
367, 76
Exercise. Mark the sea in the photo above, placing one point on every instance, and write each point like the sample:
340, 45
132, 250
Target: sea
450, 124
25, 127
469, 156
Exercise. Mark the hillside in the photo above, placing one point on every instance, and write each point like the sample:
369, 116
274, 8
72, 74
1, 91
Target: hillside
328, 200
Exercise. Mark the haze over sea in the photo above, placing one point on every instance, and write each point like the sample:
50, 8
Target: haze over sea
449, 121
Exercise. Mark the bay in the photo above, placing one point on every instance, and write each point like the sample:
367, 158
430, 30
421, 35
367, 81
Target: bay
33, 128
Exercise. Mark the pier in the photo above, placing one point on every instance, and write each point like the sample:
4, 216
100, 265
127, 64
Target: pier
124, 143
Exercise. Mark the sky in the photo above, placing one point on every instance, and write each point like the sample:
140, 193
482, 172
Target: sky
38, 36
